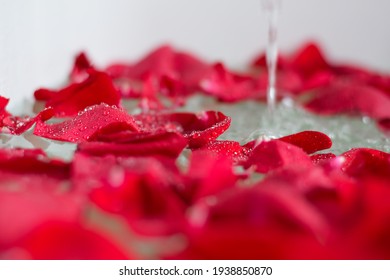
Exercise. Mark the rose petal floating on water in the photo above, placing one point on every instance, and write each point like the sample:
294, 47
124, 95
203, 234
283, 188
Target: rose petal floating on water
19, 125
67, 241
228, 86
230, 149
69, 101
320, 158
361, 162
350, 98
91, 122
199, 129
309, 141
252, 223
139, 190
177, 72
32, 161
270, 155
207, 176
163, 144
309, 60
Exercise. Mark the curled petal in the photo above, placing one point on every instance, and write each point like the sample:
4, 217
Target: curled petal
199, 129
91, 122
69, 101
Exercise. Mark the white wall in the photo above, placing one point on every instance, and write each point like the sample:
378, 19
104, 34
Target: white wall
38, 38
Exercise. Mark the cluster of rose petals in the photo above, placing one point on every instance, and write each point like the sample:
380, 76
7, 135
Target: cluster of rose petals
332, 88
164, 175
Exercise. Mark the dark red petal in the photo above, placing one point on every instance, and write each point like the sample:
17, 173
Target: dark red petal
17, 125
230, 149
320, 79
69, 101
350, 98
165, 144
270, 155
139, 190
261, 62
287, 81
309, 60
70, 241
148, 95
384, 124
3, 112
320, 158
309, 141
253, 223
199, 129
362, 162
191, 69
39, 202
32, 161
228, 86
91, 122
207, 176
158, 63
43, 94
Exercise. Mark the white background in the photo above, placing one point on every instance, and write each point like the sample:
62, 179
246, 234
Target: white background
302, 270
39, 38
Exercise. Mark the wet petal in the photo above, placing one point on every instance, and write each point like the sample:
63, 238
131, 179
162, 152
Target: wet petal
309, 141
91, 122
69, 101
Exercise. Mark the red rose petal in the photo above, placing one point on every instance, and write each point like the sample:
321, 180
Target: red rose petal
199, 129
230, 149
21, 211
309, 141
17, 125
3, 112
261, 62
252, 224
80, 69
309, 60
32, 161
191, 70
207, 176
320, 158
317, 80
148, 95
384, 124
158, 63
350, 98
165, 144
228, 86
270, 155
362, 162
139, 190
97, 88
88, 124
70, 241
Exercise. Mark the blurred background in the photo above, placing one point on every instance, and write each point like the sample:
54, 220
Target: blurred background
39, 38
